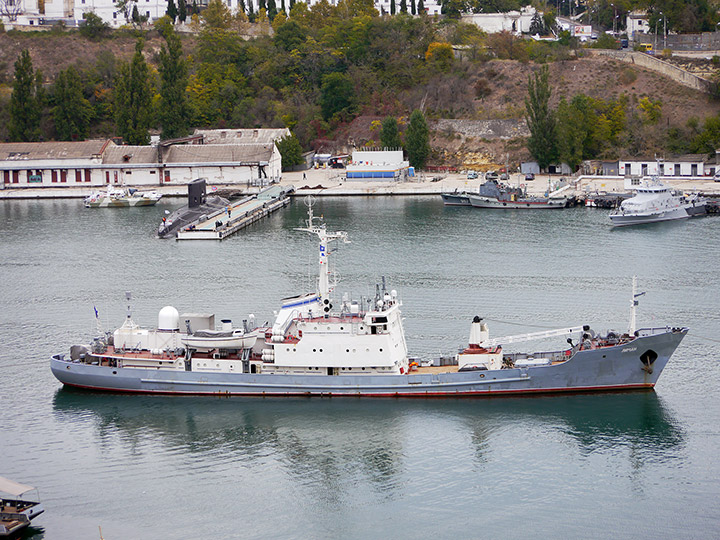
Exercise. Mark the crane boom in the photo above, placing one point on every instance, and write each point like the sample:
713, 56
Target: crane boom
531, 336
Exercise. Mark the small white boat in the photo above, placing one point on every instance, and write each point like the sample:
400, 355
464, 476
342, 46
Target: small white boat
654, 202
16, 511
221, 339
121, 197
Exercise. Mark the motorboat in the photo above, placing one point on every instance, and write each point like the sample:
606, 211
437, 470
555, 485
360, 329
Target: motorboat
655, 201
493, 194
16, 509
119, 197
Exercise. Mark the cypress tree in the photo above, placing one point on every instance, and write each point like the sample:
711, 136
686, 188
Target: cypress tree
72, 112
412, 7
24, 102
392, 7
171, 11
182, 11
420, 7
135, 15
417, 140
540, 119
271, 9
389, 135
173, 110
403, 6
133, 99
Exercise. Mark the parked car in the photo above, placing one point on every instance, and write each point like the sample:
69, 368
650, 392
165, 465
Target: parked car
472, 175
491, 175
529, 176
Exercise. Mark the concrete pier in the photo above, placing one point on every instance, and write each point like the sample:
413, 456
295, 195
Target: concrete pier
236, 216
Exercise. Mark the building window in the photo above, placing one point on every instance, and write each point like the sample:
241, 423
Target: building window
114, 14
147, 13
6, 177
87, 175
63, 176
78, 175
167, 176
35, 177
53, 175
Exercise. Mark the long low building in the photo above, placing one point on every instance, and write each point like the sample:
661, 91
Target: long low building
102, 162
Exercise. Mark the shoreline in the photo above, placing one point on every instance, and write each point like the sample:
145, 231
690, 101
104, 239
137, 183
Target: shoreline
331, 183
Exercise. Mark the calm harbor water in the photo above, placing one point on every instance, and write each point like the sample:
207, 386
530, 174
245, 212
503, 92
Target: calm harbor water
644, 465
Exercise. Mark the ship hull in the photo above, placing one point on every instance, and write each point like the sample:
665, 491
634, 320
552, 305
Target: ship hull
121, 203
455, 199
538, 204
622, 220
604, 369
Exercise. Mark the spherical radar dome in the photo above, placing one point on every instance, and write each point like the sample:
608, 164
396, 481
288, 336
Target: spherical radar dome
168, 319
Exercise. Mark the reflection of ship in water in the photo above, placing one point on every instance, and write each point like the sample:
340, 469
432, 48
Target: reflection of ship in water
326, 438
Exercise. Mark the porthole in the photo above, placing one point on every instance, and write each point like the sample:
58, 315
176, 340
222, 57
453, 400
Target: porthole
320, 350
363, 369
342, 328
347, 350
114, 372
380, 350
482, 375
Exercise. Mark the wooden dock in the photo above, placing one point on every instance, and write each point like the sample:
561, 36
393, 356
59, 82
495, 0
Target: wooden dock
236, 216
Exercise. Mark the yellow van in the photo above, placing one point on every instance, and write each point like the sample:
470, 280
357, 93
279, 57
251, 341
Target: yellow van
646, 47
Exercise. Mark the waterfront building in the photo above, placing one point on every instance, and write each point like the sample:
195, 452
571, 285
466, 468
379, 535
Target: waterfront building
102, 162
378, 164
678, 166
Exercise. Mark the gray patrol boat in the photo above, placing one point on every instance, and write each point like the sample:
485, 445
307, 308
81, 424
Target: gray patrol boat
358, 350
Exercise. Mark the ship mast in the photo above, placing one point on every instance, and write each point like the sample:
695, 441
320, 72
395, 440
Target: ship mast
633, 305
317, 227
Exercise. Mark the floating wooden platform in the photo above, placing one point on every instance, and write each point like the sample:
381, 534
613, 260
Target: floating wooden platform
224, 222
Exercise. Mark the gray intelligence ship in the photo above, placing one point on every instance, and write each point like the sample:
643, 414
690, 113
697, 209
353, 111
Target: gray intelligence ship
356, 350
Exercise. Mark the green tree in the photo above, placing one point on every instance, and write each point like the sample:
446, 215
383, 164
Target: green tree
24, 102
403, 6
412, 7
440, 55
421, 7
392, 7
271, 9
72, 113
540, 119
182, 11
133, 100
417, 140
290, 150
172, 11
571, 134
135, 15
93, 27
337, 95
217, 15
290, 36
389, 134
173, 112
